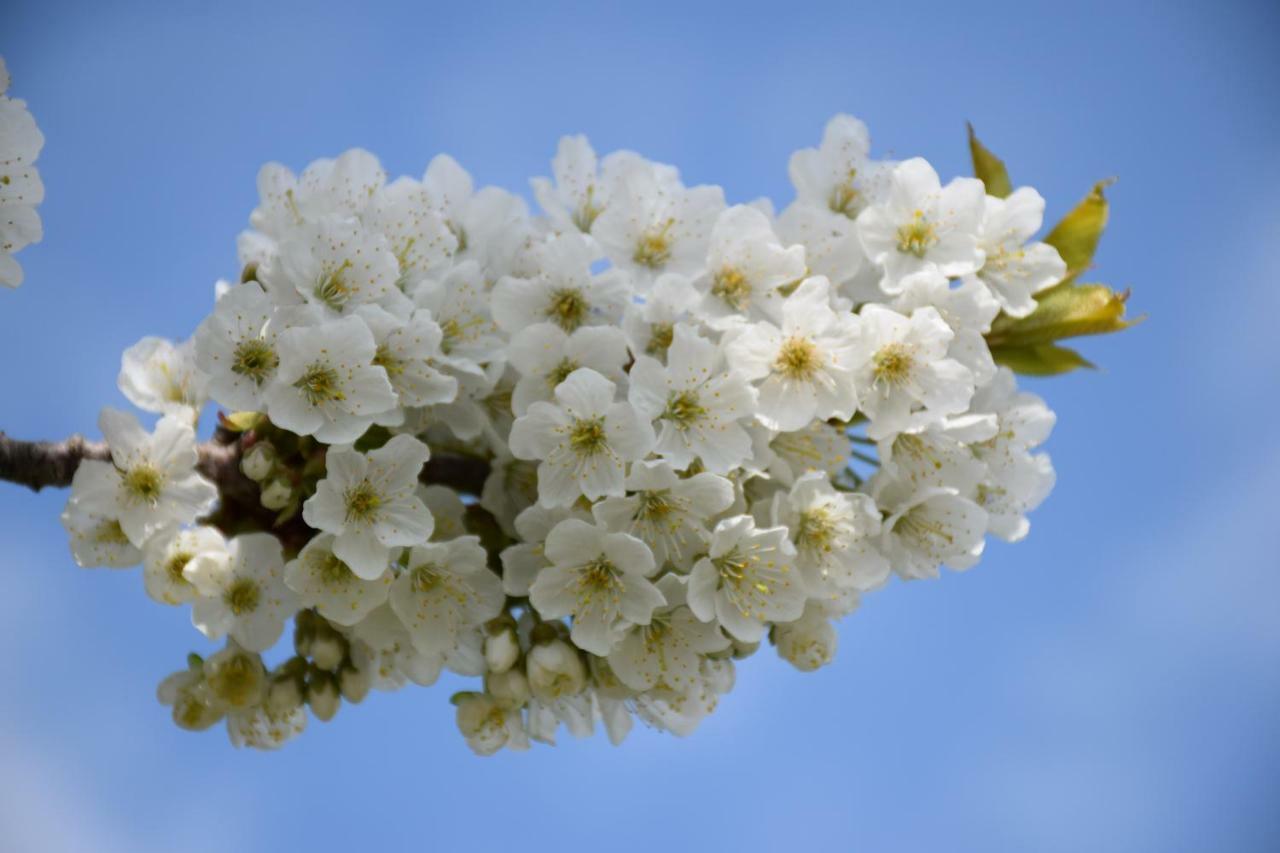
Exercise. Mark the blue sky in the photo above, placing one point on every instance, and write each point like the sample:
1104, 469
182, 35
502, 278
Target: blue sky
1111, 684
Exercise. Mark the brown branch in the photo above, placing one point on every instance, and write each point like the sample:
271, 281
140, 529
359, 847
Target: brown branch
38, 464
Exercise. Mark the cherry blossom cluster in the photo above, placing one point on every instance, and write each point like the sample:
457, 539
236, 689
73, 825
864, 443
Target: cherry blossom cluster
592, 457
20, 186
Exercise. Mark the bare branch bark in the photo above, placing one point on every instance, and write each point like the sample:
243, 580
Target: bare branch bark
41, 464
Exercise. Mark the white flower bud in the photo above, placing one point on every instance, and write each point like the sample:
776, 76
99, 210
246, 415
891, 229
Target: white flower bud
486, 725
257, 462
808, 643
354, 683
277, 494
284, 695
509, 689
327, 650
501, 650
555, 669
323, 696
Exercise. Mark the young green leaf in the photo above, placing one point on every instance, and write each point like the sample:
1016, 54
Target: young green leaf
989, 168
1039, 359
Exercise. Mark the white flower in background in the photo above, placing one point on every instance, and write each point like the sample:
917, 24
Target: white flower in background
967, 308
599, 578
803, 368
930, 528
409, 351
242, 591
578, 193
835, 534
670, 649
667, 513
322, 580
327, 384
922, 225
262, 729
1017, 480
20, 186
809, 643
817, 447
160, 376
98, 540
169, 553
416, 233
459, 303
650, 325
445, 590
654, 225
746, 264
902, 368
341, 187
748, 578
840, 176
336, 265
150, 482
564, 291
696, 401
522, 561
545, 356
1016, 268
237, 348
369, 503
583, 440
488, 726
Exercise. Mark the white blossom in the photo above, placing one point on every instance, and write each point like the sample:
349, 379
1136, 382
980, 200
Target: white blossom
369, 502
748, 578
1015, 267
446, 588
242, 591
160, 376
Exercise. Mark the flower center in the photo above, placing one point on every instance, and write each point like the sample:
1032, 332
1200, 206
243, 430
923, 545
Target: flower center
845, 198
255, 359
660, 337
333, 571
388, 362
599, 578
175, 564
561, 372
243, 596
654, 506
733, 288
798, 359
816, 530
143, 483
426, 577
654, 247
585, 216
332, 287
567, 309
684, 409
915, 237
110, 533
892, 364
587, 437
363, 502
320, 384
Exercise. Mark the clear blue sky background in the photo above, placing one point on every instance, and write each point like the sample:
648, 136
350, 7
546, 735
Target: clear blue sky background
1112, 684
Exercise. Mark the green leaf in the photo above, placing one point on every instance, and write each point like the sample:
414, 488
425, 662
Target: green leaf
1076, 236
1039, 359
1064, 312
989, 168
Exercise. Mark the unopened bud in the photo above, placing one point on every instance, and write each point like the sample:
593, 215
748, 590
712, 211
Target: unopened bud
257, 462
354, 683
555, 670
276, 494
501, 650
808, 643
509, 689
323, 695
328, 649
284, 694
